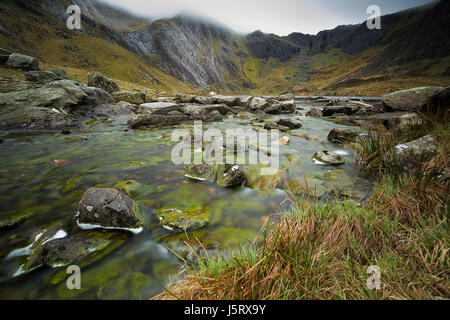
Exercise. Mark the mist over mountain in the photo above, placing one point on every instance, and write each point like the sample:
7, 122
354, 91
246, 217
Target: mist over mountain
411, 44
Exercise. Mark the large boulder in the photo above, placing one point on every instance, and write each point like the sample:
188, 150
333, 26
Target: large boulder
407, 157
330, 158
158, 107
244, 101
196, 111
438, 105
409, 100
128, 96
53, 106
96, 79
23, 62
342, 135
393, 120
109, 208
42, 77
280, 107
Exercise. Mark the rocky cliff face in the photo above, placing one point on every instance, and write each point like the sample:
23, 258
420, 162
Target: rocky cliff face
203, 54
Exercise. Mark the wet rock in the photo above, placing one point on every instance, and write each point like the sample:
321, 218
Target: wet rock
158, 107
409, 100
130, 97
109, 208
342, 136
69, 250
96, 79
273, 126
196, 111
11, 222
147, 120
314, 112
306, 186
201, 172
290, 123
186, 220
23, 62
329, 158
258, 103
410, 156
134, 189
230, 175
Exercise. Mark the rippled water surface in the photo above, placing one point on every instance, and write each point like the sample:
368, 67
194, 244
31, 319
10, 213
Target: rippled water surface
103, 155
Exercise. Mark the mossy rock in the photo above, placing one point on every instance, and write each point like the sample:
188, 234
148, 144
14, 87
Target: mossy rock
126, 287
201, 172
187, 220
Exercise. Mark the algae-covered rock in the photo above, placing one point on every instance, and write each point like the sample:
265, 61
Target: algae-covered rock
342, 135
187, 220
129, 286
329, 158
201, 172
10, 222
230, 175
109, 208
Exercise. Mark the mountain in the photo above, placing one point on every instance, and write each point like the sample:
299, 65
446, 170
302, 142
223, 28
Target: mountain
185, 53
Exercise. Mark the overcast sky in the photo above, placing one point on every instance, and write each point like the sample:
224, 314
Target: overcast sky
281, 17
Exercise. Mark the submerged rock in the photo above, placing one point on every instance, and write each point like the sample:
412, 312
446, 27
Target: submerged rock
409, 156
109, 208
230, 175
342, 136
409, 100
96, 79
272, 126
329, 158
23, 62
187, 220
291, 124
201, 172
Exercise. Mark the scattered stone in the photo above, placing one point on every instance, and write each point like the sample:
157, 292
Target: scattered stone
147, 120
342, 136
329, 158
314, 112
186, 220
201, 172
23, 62
284, 140
409, 100
130, 97
109, 208
291, 124
96, 79
272, 126
230, 175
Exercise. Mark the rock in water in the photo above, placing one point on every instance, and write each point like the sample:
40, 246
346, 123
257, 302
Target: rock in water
158, 107
23, 62
342, 135
409, 100
314, 112
109, 208
329, 158
258, 103
202, 172
96, 79
291, 124
409, 156
230, 175
187, 220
